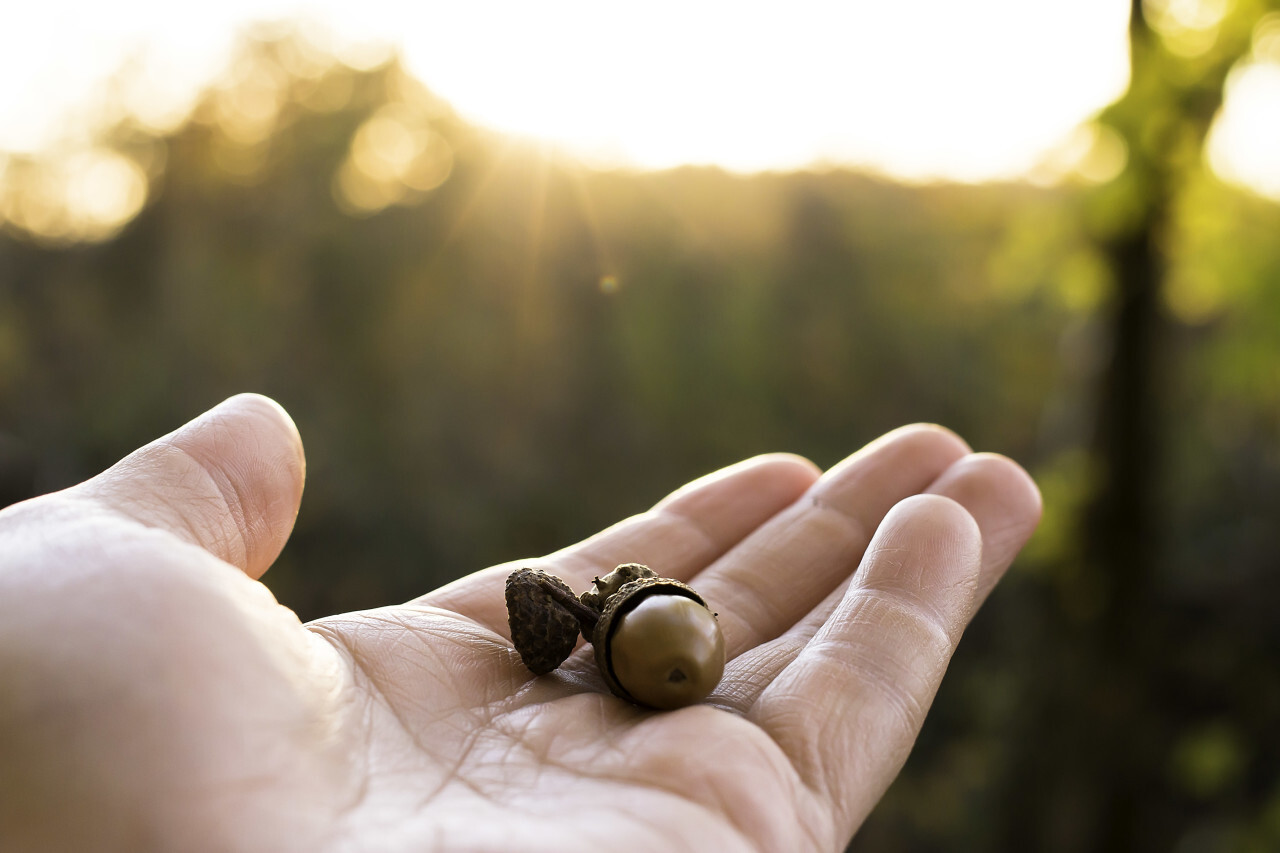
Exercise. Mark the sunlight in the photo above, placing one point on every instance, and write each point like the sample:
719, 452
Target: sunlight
1092, 153
105, 188
1244, 145
395, 157
989, 90
87, 195
1187, 27
248, 103
964, 91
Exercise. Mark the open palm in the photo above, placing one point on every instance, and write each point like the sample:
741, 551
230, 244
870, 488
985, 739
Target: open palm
157, 697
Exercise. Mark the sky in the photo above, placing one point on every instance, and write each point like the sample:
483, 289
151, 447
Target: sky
981, 90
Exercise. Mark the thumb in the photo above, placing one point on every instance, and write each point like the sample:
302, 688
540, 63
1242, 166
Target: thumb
229, 481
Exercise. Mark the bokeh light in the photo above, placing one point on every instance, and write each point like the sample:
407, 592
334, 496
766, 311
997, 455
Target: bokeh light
1244, 146
1188, 28
86, 195
394, 156
974, 92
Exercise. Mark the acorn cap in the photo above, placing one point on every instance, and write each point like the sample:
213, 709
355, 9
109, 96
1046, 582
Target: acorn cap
602, 589
542, 631
627, 598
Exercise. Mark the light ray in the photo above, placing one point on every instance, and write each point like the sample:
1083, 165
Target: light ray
468, 208
605, 261
537, 212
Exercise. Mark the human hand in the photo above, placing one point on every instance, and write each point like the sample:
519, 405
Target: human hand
155, 696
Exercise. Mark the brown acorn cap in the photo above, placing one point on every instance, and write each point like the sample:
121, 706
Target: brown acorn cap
602, 589
542, 631
620, 604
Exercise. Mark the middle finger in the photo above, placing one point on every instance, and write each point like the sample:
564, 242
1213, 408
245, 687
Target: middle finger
775, 576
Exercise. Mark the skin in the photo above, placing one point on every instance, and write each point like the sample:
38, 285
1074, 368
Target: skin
155, 696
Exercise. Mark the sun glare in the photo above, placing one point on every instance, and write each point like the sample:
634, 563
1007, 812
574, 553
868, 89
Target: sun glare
1244, 146
987, 90
961, 91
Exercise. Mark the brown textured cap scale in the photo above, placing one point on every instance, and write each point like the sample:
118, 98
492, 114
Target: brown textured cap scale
542, 631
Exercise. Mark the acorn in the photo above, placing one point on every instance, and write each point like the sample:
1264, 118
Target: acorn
543, 632
658, 644
655, 640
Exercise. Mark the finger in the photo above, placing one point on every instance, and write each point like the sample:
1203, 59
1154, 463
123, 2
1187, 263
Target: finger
229, 481
996, 491
848, 709
682, 534
1005, 502
780, 572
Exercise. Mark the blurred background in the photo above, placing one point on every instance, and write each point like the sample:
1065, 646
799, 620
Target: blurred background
518, 272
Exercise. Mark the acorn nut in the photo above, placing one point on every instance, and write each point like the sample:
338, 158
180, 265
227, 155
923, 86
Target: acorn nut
656, 641
658, 644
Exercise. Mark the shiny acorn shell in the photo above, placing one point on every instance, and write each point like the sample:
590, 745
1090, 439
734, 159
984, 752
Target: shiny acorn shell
626, 599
